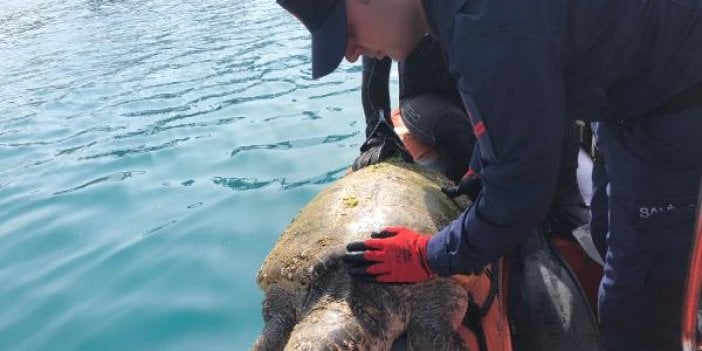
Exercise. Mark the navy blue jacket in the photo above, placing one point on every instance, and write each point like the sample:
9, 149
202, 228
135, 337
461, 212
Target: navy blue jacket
524, 70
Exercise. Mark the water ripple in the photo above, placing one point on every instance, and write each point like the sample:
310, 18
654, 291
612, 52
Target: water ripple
137, 150
289, 144
98, 92
326, 178
157, 228
115, 177
244, 184
162, 111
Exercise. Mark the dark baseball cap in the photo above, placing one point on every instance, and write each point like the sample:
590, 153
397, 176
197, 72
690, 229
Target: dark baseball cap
326, 20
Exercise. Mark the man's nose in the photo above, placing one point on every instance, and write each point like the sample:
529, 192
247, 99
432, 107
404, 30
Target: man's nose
352, 51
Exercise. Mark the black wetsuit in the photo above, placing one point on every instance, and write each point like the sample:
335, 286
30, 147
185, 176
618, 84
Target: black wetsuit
430, 103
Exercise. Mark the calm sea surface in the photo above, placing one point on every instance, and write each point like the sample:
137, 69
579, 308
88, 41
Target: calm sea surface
151, 152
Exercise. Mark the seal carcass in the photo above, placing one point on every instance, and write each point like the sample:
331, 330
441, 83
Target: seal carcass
311, 303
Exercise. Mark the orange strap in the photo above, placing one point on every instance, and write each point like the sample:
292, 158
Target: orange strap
495, 324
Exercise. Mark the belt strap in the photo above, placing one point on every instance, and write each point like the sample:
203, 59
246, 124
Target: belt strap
690, 97
473, 319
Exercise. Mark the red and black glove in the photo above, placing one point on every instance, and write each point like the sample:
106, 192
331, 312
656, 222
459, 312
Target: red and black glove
394, 255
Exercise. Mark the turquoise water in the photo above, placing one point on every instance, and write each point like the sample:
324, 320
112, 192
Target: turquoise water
151, 153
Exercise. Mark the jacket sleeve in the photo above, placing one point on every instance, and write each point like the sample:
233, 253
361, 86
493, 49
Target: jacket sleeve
509, 72
375, 90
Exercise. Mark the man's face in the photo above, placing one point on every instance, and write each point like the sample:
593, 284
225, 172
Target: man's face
379, 28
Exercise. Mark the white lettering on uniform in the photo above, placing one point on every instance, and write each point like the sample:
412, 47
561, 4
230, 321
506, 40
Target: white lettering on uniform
645, 212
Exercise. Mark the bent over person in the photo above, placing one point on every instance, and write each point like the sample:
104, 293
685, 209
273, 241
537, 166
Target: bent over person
522, 68
432, 110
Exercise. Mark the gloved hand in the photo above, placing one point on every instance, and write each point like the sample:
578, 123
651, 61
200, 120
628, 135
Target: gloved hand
394, 255
382, 144
469, 185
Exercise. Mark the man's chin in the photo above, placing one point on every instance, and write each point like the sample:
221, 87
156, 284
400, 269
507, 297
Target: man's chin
398, 58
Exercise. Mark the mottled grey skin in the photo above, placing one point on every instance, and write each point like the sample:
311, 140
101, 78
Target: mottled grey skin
312, 303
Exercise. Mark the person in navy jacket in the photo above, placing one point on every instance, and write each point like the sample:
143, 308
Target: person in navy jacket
524, 69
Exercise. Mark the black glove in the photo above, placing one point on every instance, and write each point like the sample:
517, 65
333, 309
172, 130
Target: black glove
470, 185
382, 144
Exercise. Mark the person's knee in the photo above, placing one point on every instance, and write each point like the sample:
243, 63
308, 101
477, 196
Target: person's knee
433, 115
437, 121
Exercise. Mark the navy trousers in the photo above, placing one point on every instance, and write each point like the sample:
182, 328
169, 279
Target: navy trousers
599, 222
654, 166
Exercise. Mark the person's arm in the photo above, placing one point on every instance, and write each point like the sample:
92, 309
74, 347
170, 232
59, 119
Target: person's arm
381, 140
507, 59
510, 80
375, 90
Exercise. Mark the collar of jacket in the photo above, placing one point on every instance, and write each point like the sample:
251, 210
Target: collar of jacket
439, 15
